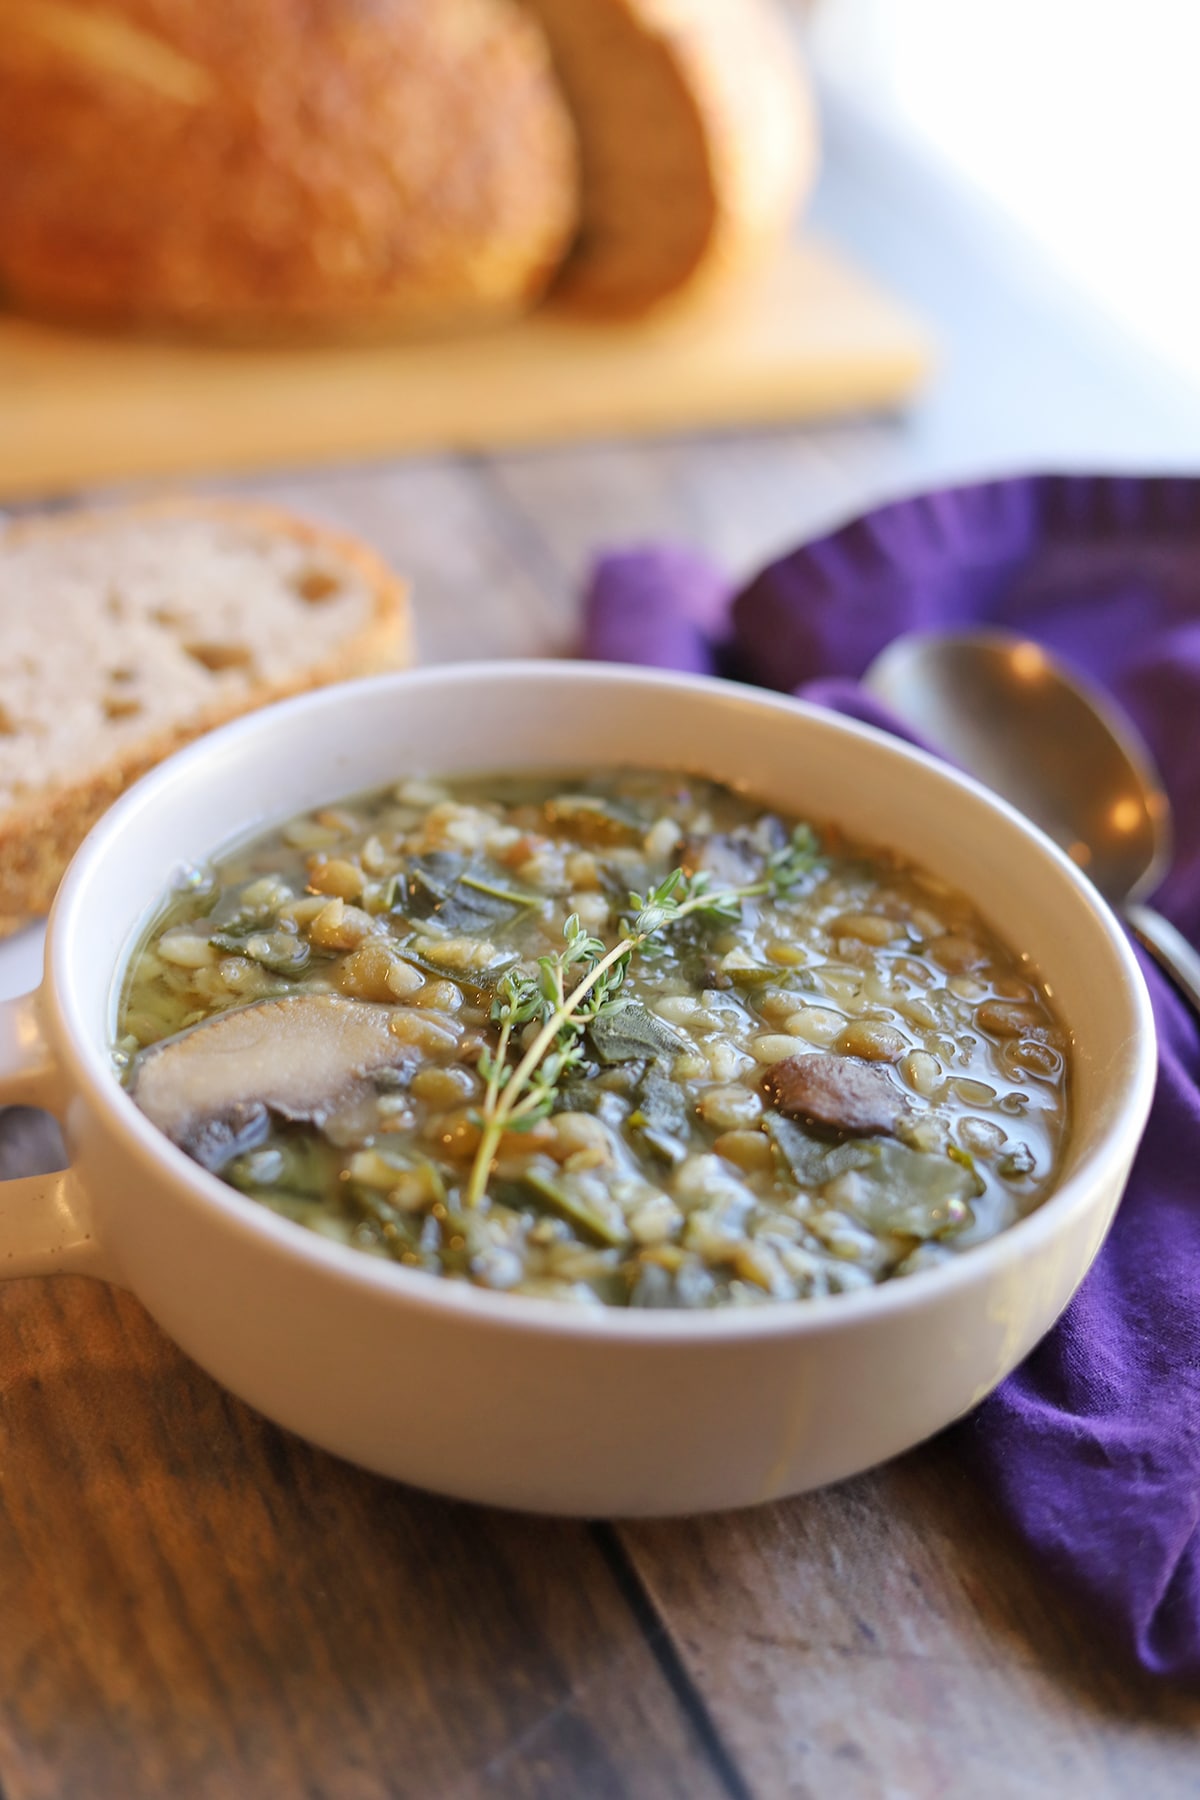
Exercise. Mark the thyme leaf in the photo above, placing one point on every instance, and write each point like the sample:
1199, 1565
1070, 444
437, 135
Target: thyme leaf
581, 983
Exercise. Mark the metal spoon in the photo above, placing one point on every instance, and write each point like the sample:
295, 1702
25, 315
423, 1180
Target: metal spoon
1006, 710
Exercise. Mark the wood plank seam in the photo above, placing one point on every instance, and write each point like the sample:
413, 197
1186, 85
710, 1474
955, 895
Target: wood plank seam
662, 1646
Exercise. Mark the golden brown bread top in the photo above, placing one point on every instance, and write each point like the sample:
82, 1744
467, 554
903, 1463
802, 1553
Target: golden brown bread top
364, 165
319, 163
697, 142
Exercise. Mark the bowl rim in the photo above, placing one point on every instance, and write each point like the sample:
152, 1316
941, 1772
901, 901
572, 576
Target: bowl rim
91, 1072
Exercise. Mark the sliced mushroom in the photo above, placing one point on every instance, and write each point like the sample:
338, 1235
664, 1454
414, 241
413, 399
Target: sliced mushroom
217, 1139
727, 856
304, 1057
836, 1093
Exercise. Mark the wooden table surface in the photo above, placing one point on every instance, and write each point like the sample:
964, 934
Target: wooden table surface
193, 1603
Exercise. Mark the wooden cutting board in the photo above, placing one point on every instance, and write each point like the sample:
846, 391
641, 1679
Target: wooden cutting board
811, 337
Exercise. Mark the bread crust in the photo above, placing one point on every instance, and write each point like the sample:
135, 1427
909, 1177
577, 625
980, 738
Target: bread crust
282, 167
39, 837
698, 144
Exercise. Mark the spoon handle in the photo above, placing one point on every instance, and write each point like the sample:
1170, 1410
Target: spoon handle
1168, 947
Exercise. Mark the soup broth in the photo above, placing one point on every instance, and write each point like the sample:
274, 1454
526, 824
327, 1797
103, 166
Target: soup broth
626, 1039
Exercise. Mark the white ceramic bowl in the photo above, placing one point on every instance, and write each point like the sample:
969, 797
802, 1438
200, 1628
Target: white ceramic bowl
528, 1403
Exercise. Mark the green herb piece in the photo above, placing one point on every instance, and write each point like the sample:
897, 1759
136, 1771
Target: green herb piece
788, 866
511, 897
629, 1031
751, 975
579, 985
917, 1193
590, 1213
444, 890
810, 1160
661, 1116
233, 912
681, 895
582, 1092
292, 1165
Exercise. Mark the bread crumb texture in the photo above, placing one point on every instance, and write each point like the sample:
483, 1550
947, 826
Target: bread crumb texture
123, 635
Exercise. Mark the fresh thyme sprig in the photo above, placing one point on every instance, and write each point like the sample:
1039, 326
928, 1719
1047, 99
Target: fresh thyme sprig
788, 866
516, 1097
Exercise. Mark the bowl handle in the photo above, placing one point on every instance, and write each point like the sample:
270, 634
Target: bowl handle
45, 1220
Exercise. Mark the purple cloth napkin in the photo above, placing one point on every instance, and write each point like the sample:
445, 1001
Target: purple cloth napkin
1093, 1445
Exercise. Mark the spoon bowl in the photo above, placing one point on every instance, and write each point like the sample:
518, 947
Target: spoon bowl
1059, 750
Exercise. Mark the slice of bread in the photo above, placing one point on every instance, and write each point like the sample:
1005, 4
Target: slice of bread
123, 634
697, 137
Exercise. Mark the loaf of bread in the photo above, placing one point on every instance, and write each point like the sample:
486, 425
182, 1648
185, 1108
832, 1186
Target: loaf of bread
697, 141
280, 164
123, 634
364, 165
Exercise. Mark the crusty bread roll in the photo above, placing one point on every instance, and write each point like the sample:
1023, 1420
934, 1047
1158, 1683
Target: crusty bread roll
124, 634
697, 140
358, 166
291, 165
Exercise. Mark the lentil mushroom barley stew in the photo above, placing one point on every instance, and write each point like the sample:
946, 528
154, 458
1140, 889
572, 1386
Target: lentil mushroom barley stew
625, 1039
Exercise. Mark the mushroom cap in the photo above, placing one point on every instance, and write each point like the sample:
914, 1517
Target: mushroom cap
836, 1093
301, 1056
